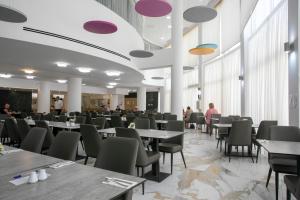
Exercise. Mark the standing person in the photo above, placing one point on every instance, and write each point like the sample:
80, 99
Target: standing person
187, 115
211, 110
58, 105
118, 108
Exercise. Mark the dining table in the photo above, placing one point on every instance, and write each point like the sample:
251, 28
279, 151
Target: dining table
62, 125
72, 181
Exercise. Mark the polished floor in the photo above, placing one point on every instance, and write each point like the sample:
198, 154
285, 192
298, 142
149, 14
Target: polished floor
210, 176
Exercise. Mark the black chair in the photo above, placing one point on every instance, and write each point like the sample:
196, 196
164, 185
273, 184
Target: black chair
144, 158
223, 132
215, 118
235, 117
158, 116
197, 119
130, 118
99, 122
23, 128
152, 123
282, 163
119, 155
49, 117
34, 140
92, 140
80, 119
62, 118
142, 123
171, 117
49, 136
65, 145
173, 145
240, 135
292, 186
13, 131
263, 133
116, 121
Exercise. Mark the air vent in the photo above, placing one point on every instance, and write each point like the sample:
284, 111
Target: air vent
74, 40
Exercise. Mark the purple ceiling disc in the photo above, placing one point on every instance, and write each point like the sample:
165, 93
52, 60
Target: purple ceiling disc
100, 27
153, 8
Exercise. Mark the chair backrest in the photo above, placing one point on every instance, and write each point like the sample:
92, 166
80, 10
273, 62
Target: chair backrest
49, 117
88, 119
175, 125
116, 121
80, 119
62, 118
34, 140
142, 123
263, 131
224, 120
285, 133
130, 119
152, 123
143, 115
49, 136
116, 114
235, 117
158, 116
12, 129
171, 117
23, 128
142, 156
100, 122
240, 133
247, 118
165, 115
118, 155
92, 139
216, 116
65, 145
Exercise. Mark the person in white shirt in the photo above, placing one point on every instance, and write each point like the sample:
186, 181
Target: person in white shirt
58, 105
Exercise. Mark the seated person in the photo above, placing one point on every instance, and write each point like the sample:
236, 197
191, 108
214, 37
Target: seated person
187, 115
6, 110
211, 110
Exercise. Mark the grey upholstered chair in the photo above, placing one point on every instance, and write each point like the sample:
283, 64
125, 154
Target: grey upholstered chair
282, 163
116, 121
171, 117
99, 122
80, 119
65, 145
142, 123
173, 145
292, 186
92, 140
158, 116
240, 135
197, 118
152, 123
247, 118
130, 118
49, 136
144, 158
13, 131
235, 117
223, 132
34, 140
119, 155
263, 133
62, 118
215, 118
23, 128
49, 117
165, 116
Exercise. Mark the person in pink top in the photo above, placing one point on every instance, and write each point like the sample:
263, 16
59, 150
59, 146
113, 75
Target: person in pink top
211, 110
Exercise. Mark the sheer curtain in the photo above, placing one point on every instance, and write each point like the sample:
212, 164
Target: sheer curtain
266, 73
190, 89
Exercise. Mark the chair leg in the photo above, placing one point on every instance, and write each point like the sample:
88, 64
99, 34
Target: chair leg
171, 163
269, 176
258, 150
81, 141
288, 194
143, 185
137, 171
183, 158
242, 151
220, 145
218, 142
164, 156
86, 159
229, 151
250, 151
276, 184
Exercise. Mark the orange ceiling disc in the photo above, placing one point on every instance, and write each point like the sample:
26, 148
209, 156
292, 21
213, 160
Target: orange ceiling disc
201, 51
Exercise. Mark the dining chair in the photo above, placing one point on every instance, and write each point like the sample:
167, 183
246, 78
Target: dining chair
214, 120
49, 117
292, 186
23, 128
197, 118
158, 116
235, 117
165, 116
239, 135
116, 121
171, 117
222, 133
62, 118
99, 122
49, 136
88, 118
65, 145
13, 131
263, 133
119, 155
80, 119
286, 164
144, 157
142, 123
173, 145
92, 141
34, 140
152, 123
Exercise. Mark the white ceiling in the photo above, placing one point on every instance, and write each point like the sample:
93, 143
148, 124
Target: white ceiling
157, 27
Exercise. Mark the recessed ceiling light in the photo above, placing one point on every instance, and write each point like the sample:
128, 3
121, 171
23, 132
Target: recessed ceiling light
61, 81
168, 17
112, 83
110, 86
117, 79
162, 38
28, 71
84, 69
30, 77
83, 84
5, 75
170, 26
113, 73
62, 64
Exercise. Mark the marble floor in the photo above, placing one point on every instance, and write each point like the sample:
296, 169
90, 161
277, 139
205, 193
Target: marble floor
209, 175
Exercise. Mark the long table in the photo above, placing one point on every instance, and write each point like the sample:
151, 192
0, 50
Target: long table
62, 125
75, 181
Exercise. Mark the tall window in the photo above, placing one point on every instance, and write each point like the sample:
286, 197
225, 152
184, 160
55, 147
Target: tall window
266, 73
190, 89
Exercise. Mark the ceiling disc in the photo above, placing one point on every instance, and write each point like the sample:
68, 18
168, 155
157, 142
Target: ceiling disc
199, 14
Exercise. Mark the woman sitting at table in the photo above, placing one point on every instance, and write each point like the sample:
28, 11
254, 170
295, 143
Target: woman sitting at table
211, 110
6, 110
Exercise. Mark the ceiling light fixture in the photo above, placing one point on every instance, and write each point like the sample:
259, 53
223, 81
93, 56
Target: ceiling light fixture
84, 69
62, 64
62, 81
169, 26
113, 73
162, 38
28, 71
110, 86
83, 84
5, 75
30, 77
117, 79
112, 83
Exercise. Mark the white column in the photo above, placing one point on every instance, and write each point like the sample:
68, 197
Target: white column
74, 94
44, 97
177, 68
114, 101
141, 98
162, 92
200, 103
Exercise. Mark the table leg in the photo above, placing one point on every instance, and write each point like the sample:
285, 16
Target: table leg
298, 165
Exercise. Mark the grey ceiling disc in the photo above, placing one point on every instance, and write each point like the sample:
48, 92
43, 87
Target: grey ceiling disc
199, 14
188, 68
157, 78
11, 15
141, 54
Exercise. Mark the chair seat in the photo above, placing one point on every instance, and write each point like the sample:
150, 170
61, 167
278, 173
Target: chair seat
291, 183
152, 158
169, 148
282, 165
